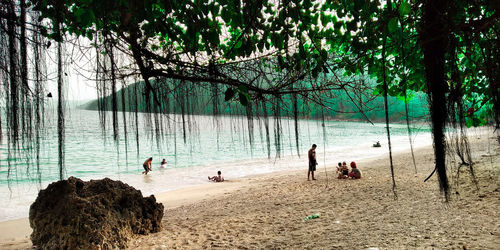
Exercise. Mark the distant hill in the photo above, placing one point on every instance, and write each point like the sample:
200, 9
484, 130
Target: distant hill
176, 97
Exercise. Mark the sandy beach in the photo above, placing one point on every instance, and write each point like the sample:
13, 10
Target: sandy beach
268, 211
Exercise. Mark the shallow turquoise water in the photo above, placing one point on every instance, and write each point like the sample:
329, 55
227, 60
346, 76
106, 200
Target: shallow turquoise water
211, 145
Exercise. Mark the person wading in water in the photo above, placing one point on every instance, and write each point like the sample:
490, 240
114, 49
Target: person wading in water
147, 166
312, 162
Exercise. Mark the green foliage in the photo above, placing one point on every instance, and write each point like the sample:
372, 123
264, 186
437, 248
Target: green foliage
243, 95
394, 26
301, 36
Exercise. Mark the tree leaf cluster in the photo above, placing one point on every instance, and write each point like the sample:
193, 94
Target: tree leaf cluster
182, 38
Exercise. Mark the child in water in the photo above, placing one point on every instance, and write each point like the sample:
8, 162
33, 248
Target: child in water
163, 164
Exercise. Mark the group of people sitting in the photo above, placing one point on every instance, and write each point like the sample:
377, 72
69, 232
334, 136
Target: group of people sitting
344, 173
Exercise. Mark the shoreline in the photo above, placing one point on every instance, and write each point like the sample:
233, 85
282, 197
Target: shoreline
15, 233
170, 199
234, 155
232, 169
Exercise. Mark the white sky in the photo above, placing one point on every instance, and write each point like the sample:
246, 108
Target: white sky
79, 69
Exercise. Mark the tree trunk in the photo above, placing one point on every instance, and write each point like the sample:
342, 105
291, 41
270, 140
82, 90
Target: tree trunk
60, 114
24, 71
434, 36
14, 102
386, 108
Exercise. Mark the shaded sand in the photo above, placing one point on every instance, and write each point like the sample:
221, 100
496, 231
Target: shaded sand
268, 211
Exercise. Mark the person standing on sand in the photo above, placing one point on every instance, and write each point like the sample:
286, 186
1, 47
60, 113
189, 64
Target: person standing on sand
147, 166
312, 162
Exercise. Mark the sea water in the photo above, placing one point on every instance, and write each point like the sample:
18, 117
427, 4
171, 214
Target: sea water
199, 149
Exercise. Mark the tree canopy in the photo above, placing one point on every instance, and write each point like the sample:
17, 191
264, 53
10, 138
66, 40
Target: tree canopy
262, 50
206, 41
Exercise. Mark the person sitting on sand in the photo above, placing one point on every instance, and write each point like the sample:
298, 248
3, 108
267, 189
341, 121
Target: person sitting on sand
355, 173
147, 165
344, 171
163, 164
340, 170
217, 178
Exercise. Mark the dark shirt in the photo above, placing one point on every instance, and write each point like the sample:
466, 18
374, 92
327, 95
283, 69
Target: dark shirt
312, 157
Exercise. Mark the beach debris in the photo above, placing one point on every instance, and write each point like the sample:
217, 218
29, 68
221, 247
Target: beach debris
96, 214
310, 217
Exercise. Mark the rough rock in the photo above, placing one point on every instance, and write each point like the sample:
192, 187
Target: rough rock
98, 214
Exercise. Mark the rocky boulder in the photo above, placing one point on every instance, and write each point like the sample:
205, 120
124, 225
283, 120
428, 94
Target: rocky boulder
98, 214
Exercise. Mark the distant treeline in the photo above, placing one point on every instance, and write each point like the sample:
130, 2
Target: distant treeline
177, 97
